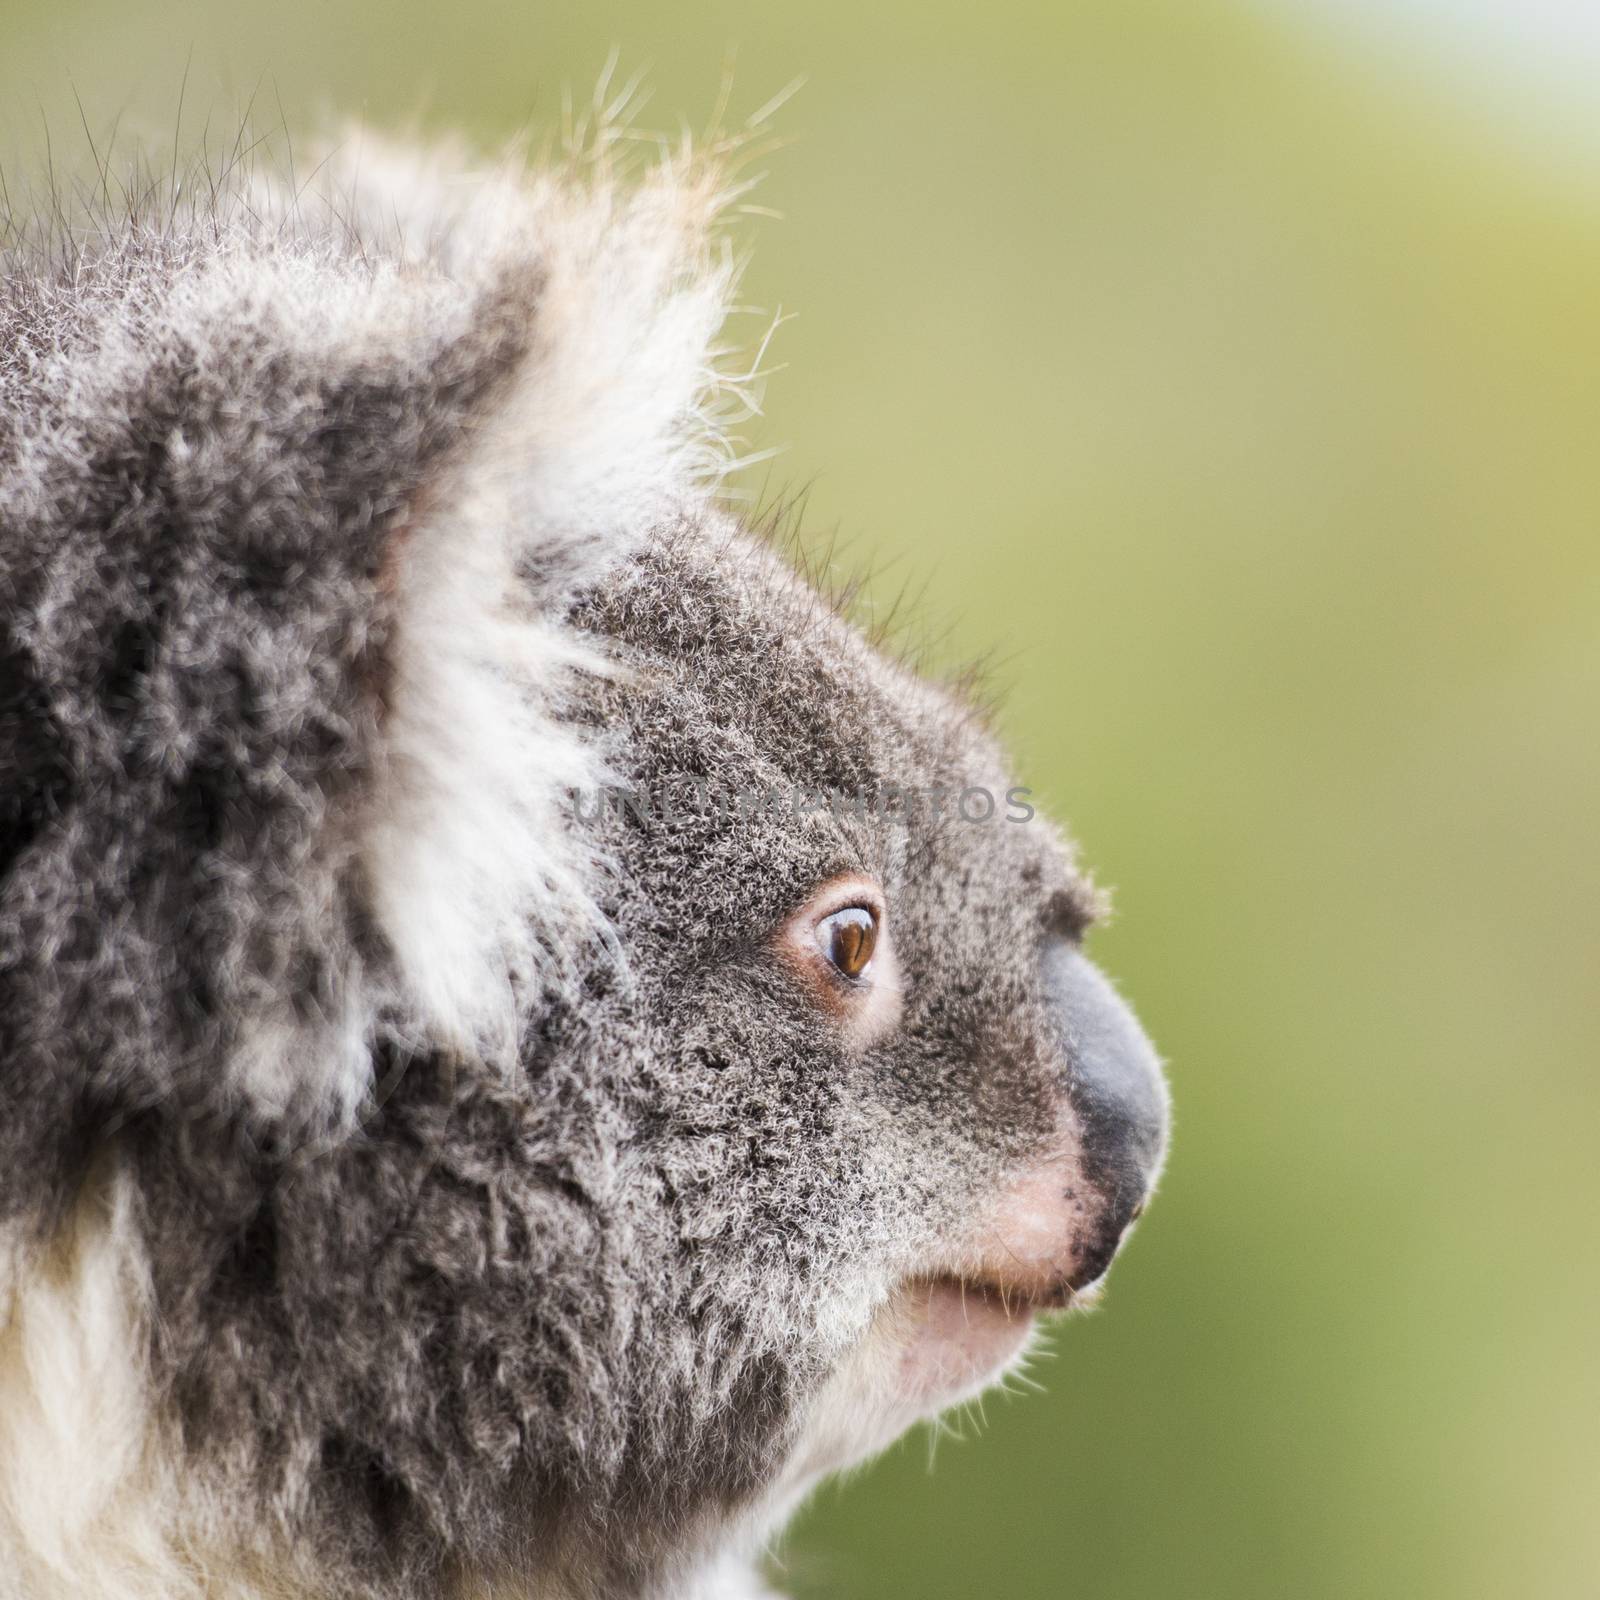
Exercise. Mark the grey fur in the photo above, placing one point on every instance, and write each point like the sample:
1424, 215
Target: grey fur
557, 1309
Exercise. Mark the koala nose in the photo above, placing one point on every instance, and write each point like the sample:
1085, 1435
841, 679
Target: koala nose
1117, 1095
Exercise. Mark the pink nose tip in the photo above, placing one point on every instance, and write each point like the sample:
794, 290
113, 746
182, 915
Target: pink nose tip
1052, 1232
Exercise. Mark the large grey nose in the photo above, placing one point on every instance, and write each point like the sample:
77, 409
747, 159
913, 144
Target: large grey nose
1115, 1089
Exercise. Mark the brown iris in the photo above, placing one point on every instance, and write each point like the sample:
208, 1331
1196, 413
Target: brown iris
848, 939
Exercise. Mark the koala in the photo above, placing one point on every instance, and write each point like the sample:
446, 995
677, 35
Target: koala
527, 1038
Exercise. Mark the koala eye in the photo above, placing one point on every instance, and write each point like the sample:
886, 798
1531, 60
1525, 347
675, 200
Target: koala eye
841, 947
848, 939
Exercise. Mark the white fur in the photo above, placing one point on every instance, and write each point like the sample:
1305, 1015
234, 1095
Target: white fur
87, 1496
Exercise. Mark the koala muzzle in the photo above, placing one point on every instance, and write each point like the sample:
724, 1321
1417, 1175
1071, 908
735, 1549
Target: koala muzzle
1117, 1098
1052, 1231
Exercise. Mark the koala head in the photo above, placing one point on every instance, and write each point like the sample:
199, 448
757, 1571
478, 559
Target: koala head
526, 1039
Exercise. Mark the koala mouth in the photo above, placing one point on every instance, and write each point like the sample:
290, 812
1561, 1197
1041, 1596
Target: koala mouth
1010, 1299
957, 1334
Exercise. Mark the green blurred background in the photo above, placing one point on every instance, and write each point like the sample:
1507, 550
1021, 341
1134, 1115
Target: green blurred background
1235, 369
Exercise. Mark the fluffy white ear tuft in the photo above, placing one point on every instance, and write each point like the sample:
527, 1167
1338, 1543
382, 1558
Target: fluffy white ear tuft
610, 421
618, 409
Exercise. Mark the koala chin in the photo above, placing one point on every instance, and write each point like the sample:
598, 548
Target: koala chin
526, 1038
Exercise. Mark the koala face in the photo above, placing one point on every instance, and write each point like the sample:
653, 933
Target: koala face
525, 1039
885, 1097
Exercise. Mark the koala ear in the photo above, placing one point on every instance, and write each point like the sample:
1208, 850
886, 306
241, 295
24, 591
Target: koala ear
295, 501
599, 301
596, 306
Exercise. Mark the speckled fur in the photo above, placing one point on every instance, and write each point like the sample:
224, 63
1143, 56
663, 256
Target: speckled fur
524, 1279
